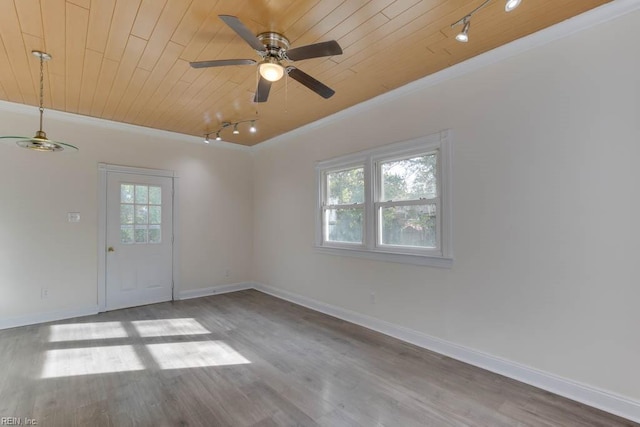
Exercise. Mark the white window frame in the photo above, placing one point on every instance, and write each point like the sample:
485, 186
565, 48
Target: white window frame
371, 247
326, 207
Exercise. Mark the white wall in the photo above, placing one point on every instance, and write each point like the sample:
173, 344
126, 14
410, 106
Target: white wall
546, 200
39, 248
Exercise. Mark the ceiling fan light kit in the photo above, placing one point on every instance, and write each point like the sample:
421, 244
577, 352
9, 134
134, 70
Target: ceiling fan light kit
463, 36
273, 49
271, 70
40, 142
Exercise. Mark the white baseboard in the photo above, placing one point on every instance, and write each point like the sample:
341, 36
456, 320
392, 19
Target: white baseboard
50, 316
214, 290
583, 393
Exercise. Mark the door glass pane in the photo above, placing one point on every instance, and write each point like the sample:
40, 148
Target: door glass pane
344, 225
345, 187
126, 193
409, 179
126, 234
409, 225
142, 214
155, 234
126, 214
155, 215
141, 234
140, 206
155, 195
142, 194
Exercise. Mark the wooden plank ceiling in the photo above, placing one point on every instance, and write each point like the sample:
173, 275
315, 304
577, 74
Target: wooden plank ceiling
128, 60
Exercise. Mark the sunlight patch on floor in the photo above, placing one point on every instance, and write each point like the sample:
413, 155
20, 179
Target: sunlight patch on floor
168, 327
195, 354
90, 360
86, 331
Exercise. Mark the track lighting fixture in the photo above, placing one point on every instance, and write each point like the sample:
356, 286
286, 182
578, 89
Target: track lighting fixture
236, 131
463, 36
511, 4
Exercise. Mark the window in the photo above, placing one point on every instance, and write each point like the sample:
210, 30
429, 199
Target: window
140, 214
389, 203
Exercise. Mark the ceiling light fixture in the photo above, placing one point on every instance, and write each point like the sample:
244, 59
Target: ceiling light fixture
463, 36
206, 138
270, 69
511, 4
234, 125
40, 142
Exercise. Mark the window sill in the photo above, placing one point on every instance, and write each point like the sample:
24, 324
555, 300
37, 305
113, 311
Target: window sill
424, 260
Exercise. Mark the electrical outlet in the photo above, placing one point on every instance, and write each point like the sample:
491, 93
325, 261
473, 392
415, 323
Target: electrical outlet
73, 216
372, 298
44, 293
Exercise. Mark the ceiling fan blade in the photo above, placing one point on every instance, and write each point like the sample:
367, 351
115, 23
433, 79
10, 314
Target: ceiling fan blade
221, 63
316, 50
262, 91
240, 29
313, 84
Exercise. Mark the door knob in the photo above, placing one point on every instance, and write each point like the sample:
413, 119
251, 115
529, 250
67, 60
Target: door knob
110, 249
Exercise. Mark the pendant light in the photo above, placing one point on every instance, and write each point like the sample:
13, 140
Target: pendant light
40, 142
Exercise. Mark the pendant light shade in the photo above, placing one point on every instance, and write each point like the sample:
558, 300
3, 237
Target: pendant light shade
40, 142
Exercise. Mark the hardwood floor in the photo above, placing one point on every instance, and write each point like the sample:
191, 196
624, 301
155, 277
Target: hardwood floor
248, 359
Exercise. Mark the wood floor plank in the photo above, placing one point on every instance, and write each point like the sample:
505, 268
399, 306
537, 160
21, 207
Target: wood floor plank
249, 359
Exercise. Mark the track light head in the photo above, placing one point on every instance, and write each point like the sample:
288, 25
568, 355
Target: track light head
206, 138
235, 129
218, 138
511, 4
253, 129
463, 36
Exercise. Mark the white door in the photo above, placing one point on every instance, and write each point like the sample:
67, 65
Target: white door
139, 240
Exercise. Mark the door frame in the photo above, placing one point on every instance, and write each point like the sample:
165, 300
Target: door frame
103, 170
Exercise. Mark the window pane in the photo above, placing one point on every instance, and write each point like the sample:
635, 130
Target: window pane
409, 225
344, 225
345, 187
141, 234
126, 214
126, 193
142, 194
142, 214
409, 179
155, 195
154, 234
126, 234
155, 215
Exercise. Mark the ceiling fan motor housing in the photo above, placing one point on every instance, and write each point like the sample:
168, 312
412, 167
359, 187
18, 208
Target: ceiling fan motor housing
276, 45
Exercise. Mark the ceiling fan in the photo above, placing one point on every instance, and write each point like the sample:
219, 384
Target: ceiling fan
273, 48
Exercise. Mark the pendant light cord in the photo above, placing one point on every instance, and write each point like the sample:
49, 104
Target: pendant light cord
41, 90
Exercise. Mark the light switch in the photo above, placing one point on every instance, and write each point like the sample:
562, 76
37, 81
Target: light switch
73, 216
